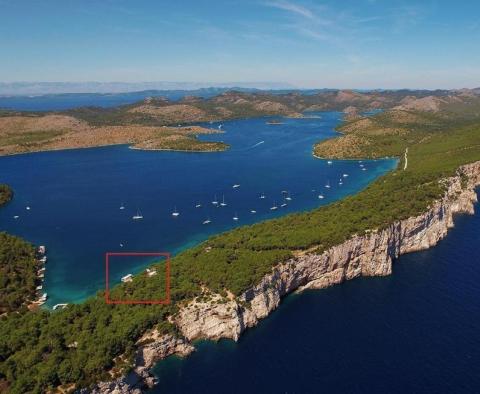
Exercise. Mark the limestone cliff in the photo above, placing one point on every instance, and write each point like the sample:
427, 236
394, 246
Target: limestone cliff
370, 254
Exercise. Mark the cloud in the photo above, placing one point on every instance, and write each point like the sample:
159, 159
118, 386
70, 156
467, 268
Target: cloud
292, 8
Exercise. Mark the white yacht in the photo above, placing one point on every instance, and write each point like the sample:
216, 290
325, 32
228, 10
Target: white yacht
328, 185
137, 216
198, 205
320, 196
223, 203
235, 217
175, 213
345, 175
262, 196
274, 206
215, 202
253, 211
329, 162
207, 221
122, 207
236, 186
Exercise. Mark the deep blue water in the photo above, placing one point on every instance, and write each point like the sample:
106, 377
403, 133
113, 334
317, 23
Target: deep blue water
416, 331
75, 195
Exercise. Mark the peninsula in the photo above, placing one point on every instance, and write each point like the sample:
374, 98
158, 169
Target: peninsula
231, 281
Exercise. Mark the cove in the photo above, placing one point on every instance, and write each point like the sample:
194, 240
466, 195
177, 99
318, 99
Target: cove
75, 195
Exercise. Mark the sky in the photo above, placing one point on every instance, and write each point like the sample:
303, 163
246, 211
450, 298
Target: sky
306, 43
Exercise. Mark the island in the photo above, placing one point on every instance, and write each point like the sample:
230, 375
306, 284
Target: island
233, 280
157, 123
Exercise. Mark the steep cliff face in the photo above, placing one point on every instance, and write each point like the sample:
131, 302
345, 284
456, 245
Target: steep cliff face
367, 255
371, 254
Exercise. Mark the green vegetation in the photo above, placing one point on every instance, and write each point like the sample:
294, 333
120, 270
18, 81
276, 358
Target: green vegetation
42, 350
18, 273
6, 194
30, 138
182, 142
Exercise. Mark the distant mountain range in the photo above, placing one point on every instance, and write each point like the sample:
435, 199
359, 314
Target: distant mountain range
42, 88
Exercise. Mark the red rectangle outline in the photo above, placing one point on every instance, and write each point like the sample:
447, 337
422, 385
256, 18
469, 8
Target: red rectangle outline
166, 301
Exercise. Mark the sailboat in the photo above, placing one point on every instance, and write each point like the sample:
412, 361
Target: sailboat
198, 205
253, 211
215, 202
288, 198
207, 221
235, 186
220, 126
262, 196
175, 213
328, 185
274, 207
223, 203
122, 207
235, 217
284, 204
138, 216
27, 208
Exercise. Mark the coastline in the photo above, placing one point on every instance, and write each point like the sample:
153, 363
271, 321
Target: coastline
371, 254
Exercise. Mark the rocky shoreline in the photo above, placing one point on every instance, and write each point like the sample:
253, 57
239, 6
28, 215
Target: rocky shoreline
371, 254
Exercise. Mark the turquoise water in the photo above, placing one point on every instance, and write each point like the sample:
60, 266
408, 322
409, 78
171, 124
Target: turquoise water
75, 195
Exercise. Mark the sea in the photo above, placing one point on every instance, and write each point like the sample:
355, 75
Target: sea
414, 331
80, 203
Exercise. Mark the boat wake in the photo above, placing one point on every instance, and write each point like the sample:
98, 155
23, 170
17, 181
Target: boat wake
257, 144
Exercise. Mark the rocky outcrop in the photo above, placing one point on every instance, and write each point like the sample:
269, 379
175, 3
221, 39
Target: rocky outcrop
371, 254
151, 348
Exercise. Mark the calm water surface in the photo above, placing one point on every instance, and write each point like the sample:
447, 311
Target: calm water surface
75, 195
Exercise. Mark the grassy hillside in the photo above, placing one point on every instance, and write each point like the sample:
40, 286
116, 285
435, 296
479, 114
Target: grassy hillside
42, 349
